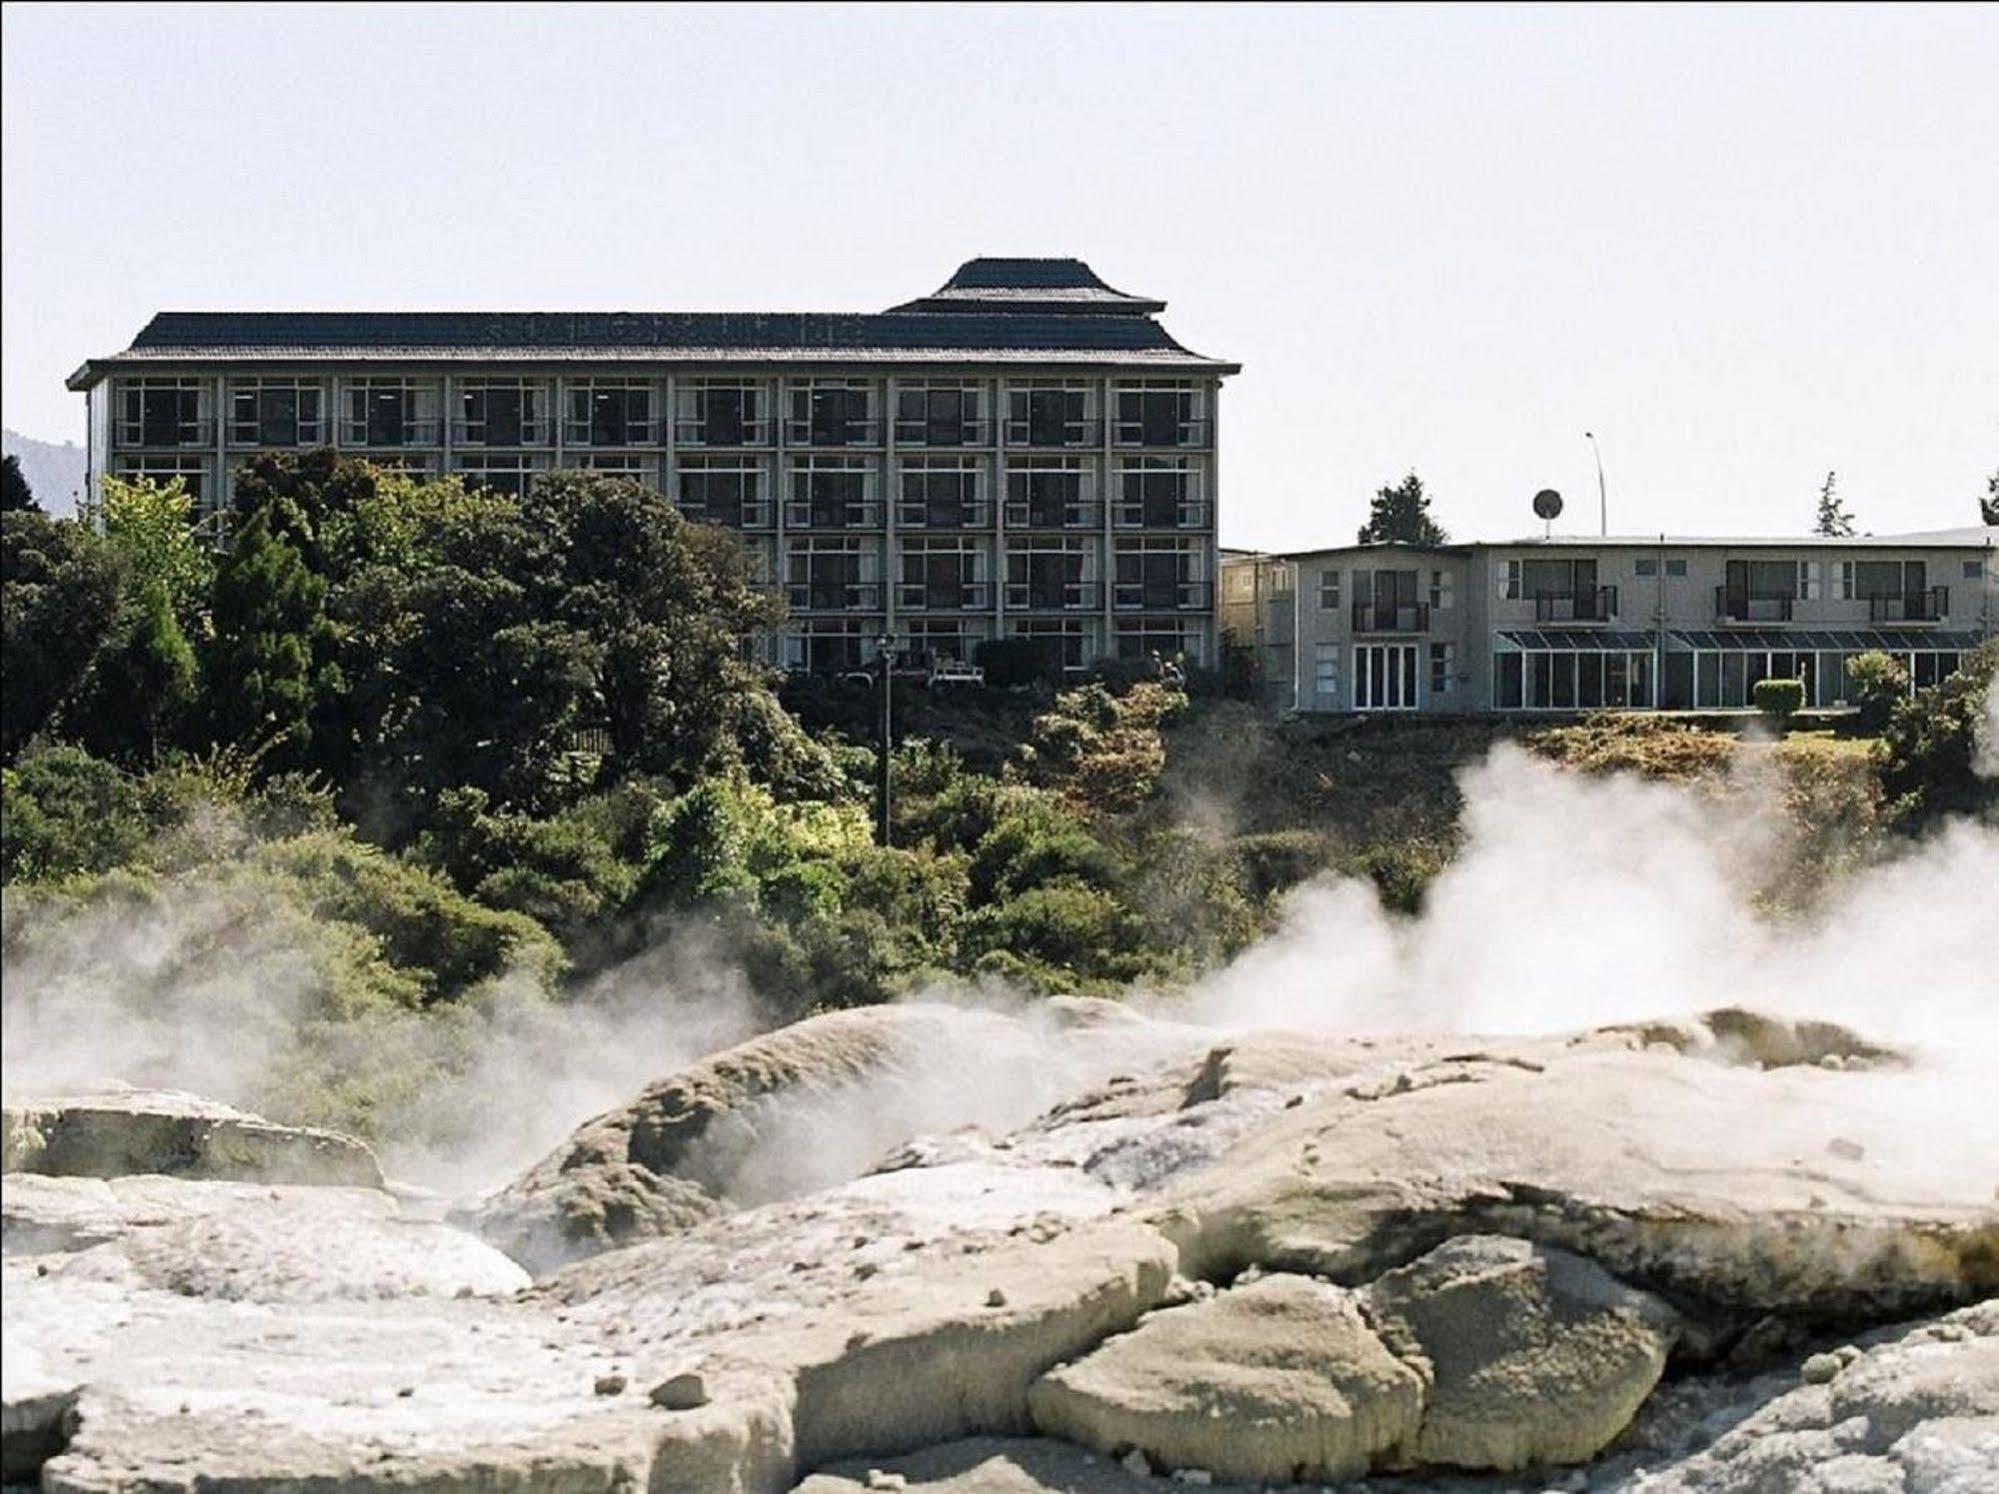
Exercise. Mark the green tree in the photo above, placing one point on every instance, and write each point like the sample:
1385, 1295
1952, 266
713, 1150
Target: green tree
1400, 514
59, 596
1928, 753
1833, 519
15, 494
1988, 506
151, 525
142, 682
259, 669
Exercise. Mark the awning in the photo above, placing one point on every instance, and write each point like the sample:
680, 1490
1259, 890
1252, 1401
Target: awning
1843, 640
1582, 640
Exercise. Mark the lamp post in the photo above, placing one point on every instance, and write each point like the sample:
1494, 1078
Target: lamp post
1602, 497
884, 736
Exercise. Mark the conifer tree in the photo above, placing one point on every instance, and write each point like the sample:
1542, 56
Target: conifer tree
1401, 515
1833, 521
267, 615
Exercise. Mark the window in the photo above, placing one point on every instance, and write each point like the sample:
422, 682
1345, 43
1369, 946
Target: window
1167, 639
1676, 568
606, 412
1044, 492
163, 412
1329, 591
826, 644
1974, 570
502, 412
1068, 639
1158, 412
1050, 573
389, 412
1440, 589
721, 412
935, 640
1158, 493
190, 470
1868, 580
276, 412
938, 412
1326, 675
1571, 679
831, 572
944, 573
943, 493
1646, 567
643, 469
724, 490
832, 492
1157, 576
509, 474
1440, 668
1050, 412
1384, 677
832, 412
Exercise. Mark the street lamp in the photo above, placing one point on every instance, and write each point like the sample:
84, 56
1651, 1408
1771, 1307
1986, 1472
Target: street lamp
884, 736
1602, 498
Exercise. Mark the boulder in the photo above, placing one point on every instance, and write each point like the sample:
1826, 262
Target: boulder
123, 1132
37, 1412
1279, 1380
1526, 1354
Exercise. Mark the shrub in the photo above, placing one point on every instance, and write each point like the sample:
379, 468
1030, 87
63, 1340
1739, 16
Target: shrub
1276, 860
1780, 700
1928, 753
63, 812
1009, 662
1876, 682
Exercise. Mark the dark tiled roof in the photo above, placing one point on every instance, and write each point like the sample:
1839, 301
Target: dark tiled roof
1024, 274
1004, 286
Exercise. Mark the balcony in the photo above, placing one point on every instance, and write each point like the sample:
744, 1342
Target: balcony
730, 515
1925, 606
1162, 435
598, 434
1054, 434
832, 515
166, 434
1055, 513
944, 515
1391, 617
1597, 604
720, 435
1186, 513
388, 435
834, 596
1751, 607
822, 430
931, 596
1053, 595
923, 431
502, 434
1160, 596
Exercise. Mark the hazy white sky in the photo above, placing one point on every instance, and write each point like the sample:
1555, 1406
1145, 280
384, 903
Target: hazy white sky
1744, 246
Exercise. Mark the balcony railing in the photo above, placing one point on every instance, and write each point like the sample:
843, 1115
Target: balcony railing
253, 436
922, 431
387, 436
1170, 434
822, 431
1188, 513
944, 515
834, 596
647, 432
720, 435
1053, 596
502, 434
1027, 514
1925, 606
1596, 604
166, 434
810, 515
1751, 607
1159, 596
1391, 617
1054, 434
926, 596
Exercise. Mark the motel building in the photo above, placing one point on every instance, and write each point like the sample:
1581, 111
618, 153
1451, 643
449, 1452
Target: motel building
1024, 452
1643, 623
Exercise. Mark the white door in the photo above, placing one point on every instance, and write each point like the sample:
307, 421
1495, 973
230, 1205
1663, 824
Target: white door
1384, 677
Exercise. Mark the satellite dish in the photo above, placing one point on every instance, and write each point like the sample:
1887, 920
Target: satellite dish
1548, 505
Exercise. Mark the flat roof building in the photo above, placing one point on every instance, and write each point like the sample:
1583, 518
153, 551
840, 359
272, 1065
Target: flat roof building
1571, 624
1024, 452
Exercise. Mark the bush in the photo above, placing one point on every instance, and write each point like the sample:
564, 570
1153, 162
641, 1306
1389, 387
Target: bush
63, 812
1780, 700
1876, 682
1928, 752
1009, 662
1278, 860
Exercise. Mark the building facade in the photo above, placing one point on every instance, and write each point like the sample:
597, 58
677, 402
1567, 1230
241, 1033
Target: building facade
1026, 452
1562, 624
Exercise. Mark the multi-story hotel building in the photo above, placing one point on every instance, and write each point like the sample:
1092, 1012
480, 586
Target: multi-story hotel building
1025, 452
1561, 624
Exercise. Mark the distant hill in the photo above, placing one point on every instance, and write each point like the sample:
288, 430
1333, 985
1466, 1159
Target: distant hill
54, 473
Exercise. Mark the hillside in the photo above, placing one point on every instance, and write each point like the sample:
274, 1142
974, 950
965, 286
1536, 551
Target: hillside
55, 472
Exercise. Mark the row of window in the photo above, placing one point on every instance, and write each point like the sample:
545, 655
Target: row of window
842, 492
826, 645
1382, 676
826, 573
391, 412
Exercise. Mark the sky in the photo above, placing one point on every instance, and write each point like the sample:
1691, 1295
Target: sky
1745, 247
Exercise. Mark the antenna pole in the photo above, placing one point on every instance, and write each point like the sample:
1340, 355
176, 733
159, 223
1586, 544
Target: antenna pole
1602, 495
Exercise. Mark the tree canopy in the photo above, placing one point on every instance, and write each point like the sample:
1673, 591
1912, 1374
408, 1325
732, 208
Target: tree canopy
1833, 519
1400, 514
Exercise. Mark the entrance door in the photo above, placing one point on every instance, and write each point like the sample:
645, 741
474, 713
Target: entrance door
1384, 677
